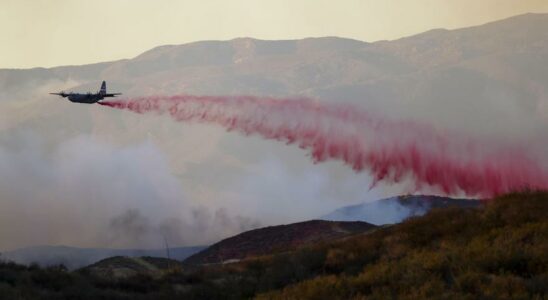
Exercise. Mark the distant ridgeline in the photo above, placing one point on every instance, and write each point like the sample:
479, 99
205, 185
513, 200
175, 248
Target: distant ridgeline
396, 209
73, 257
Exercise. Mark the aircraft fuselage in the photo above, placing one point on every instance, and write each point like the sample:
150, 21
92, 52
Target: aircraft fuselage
85, 98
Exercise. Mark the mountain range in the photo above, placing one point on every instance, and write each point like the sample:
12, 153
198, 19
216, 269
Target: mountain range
475, 73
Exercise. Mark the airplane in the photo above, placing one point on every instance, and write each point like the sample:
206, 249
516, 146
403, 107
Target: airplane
89, 97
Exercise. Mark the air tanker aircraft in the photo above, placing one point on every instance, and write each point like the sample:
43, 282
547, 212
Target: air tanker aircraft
88, 98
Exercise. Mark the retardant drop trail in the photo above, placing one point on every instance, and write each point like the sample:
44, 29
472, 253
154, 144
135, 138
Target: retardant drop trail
390, 151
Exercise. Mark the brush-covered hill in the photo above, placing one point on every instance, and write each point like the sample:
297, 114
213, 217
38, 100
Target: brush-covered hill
498, 251
125, 266
396, 209
268, 240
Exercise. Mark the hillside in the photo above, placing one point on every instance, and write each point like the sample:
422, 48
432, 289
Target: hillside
268, 240
495, 252
499, 252
396, 209
125, 267
74, 257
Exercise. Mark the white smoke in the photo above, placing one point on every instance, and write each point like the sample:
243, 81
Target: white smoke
87, 193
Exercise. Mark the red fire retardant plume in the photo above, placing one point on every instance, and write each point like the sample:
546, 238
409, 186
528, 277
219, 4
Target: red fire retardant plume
390, 151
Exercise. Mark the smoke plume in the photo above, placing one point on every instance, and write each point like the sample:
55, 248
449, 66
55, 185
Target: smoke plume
391, 151
88, 193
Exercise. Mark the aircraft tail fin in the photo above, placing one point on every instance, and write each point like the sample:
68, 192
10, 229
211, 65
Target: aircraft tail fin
103, 88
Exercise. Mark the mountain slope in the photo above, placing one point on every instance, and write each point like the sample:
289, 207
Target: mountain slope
396, 209
289, 66
264, 241
498, 252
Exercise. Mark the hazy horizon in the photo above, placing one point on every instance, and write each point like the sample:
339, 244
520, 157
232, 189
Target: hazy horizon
76, 33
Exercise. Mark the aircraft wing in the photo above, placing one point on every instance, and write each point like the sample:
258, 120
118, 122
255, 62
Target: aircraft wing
59, 94
112, 94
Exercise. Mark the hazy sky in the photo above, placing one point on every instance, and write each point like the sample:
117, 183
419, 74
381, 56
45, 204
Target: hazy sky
49, 33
